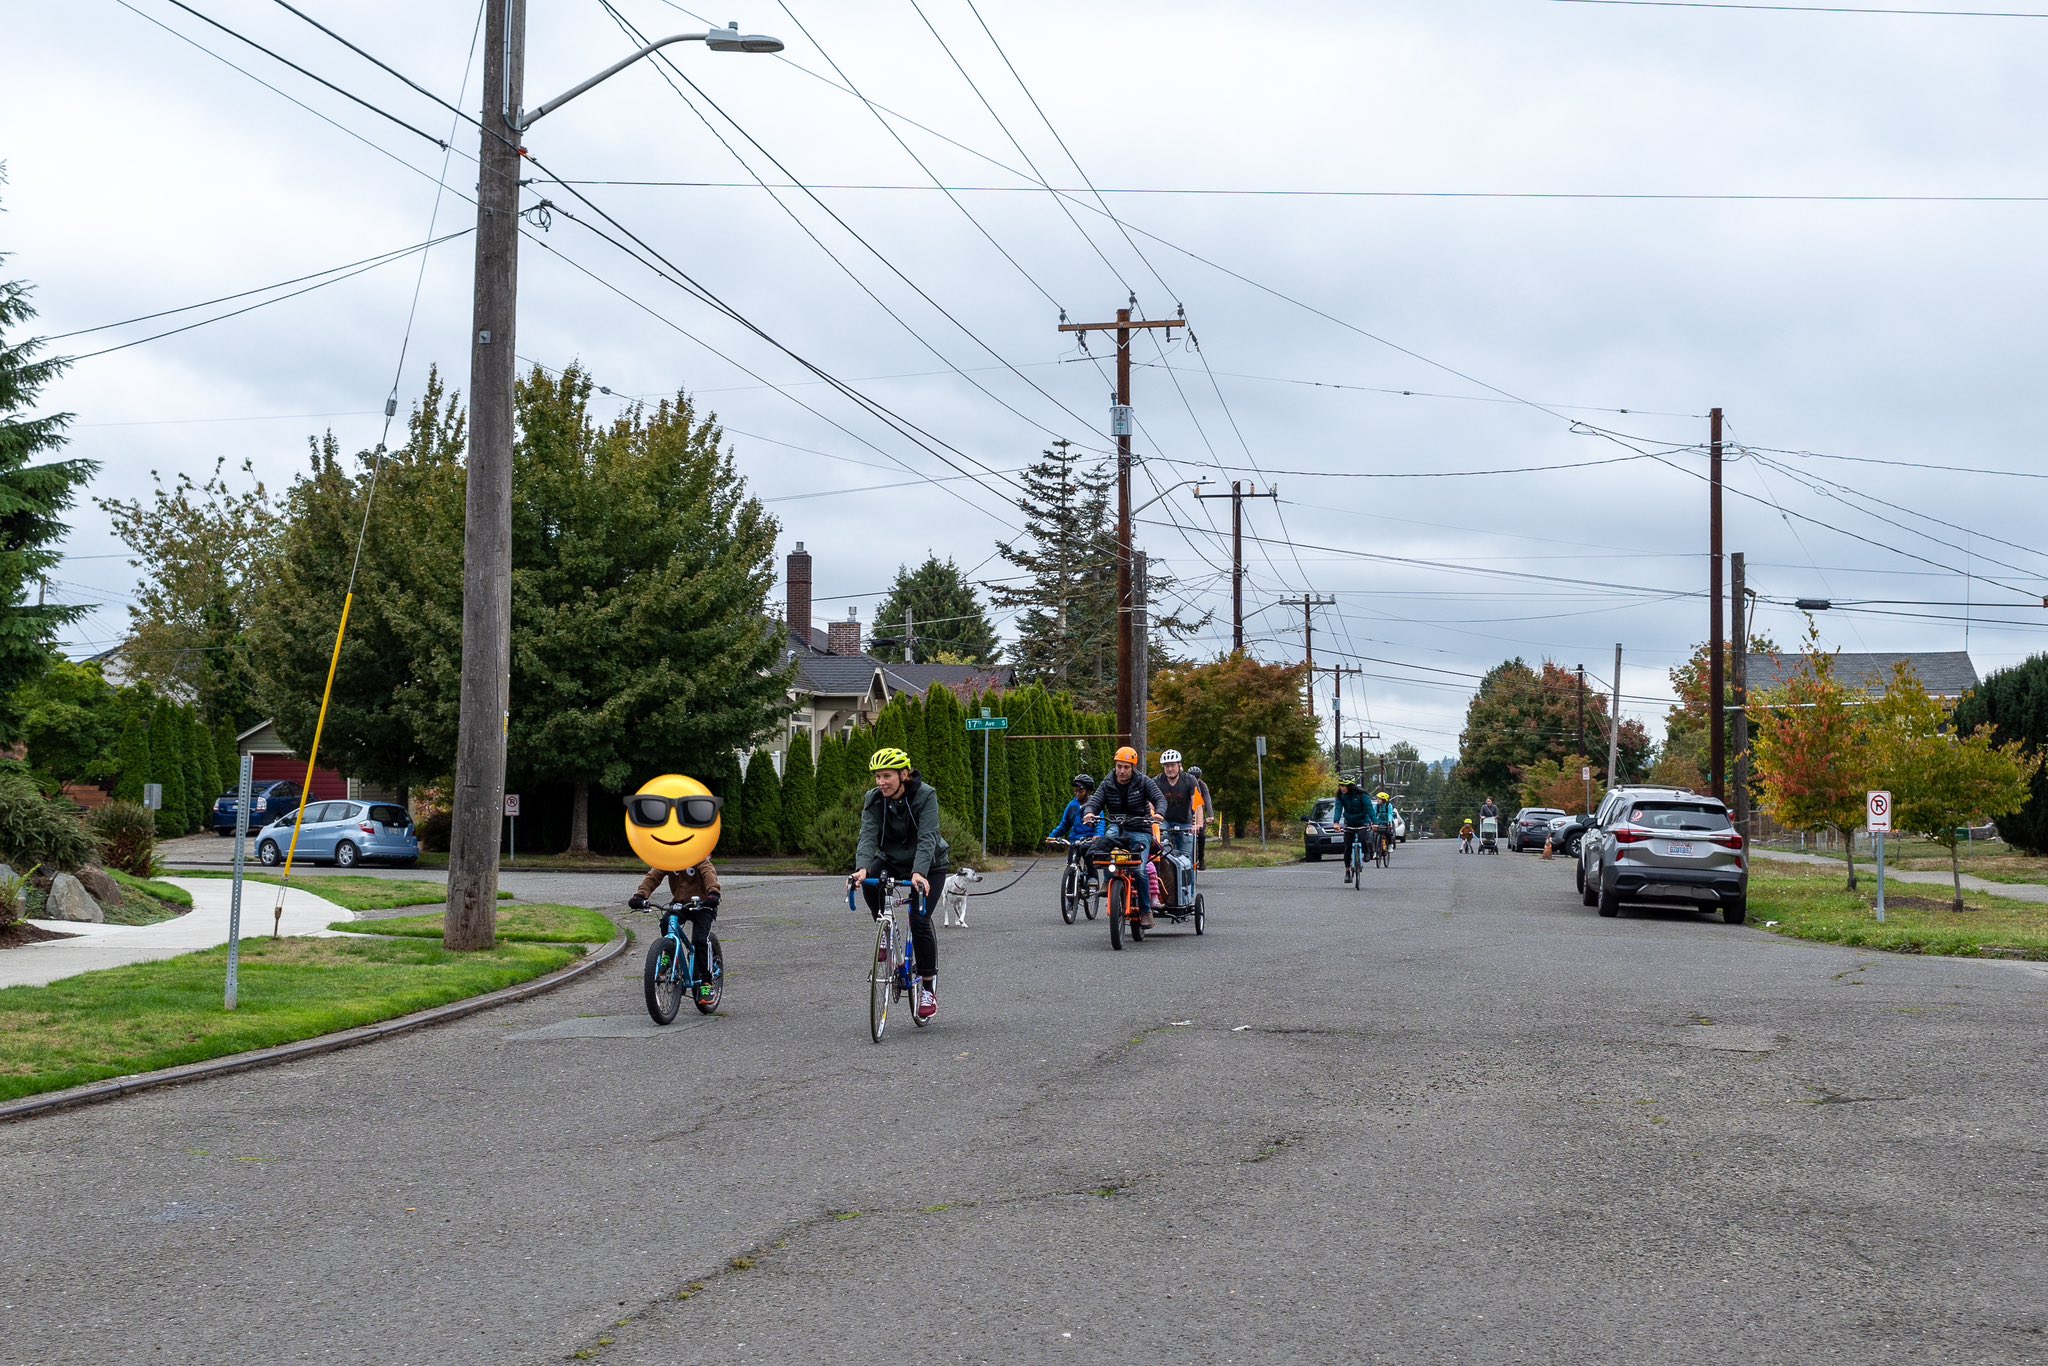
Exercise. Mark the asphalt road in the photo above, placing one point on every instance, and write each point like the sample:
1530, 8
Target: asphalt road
1455, 1117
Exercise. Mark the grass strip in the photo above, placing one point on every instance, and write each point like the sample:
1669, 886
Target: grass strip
162, 891
1250, 856
120, 1021
516, 924
1811, 903
356, 893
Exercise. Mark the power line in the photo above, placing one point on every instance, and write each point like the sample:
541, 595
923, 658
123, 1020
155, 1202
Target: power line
1814, 9
1424, 393
1285, 192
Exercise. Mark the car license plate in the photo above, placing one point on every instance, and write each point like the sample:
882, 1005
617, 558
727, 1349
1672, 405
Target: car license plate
1678, 848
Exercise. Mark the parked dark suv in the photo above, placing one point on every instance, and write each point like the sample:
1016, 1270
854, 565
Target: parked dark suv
267, 802
1530, 827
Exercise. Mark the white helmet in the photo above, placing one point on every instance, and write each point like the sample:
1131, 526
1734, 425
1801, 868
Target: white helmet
1171, 756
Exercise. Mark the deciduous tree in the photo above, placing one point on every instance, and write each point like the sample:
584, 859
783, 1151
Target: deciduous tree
1813, 761
1213, 714
1521, 715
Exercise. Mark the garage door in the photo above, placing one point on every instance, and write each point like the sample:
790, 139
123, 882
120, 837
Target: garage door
327, 784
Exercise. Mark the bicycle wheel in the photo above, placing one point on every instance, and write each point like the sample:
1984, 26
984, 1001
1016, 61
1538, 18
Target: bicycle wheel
1088, 897
1358, 867
705, 1005
1201, 915
881, 980
1119, 893
1070, 893
664, 979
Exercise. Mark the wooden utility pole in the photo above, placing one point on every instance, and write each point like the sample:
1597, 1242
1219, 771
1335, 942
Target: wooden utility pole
1614, 723
1717, 645
1582, 709
1141, 653
1308, 643
1239, 491
1120, 428
479, 797
1337, 671
1738, 659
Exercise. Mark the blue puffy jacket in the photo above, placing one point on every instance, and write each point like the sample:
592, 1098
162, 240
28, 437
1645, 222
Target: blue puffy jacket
1075, 823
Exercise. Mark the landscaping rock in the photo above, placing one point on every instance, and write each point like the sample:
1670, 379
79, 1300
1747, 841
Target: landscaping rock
70, 901
101, 886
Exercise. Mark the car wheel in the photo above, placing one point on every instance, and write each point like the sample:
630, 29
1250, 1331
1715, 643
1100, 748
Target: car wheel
1314, 857
1571, 846
1608, 902
346, 855
1735, 912
1579, 877
268, 854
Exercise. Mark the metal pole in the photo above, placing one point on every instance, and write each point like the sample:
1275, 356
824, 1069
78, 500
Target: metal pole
1717, 631
472, 919
1879, 837
1614, 723
245, 793
984, 794
1262, 795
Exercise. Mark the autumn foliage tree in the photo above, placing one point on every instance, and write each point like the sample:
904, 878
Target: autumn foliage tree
1521, 716
1556, 783
1213, 713
1813, 761
1942, 781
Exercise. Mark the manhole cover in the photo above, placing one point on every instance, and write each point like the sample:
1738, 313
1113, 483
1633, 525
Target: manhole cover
1731, 1038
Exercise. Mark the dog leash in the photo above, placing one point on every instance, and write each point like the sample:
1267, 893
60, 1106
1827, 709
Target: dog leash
1011, 883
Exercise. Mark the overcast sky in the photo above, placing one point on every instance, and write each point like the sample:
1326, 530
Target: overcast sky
147, 175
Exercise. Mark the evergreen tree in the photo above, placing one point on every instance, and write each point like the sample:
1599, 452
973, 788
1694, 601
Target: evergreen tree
131, 757
831, 777
167, 766
799, 794
33, 498
199, 787
1027, 798
915, 742
998, 784
1054, 768
888, 734
946, 739
227, 756
763, 832
2015, 702
720, 771
947, 622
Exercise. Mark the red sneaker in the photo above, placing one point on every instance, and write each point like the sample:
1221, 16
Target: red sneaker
927, 1002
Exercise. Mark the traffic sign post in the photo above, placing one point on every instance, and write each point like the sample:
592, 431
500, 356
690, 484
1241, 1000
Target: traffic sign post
244, 793
1877, 819
1262, 790
512, 836
986, 723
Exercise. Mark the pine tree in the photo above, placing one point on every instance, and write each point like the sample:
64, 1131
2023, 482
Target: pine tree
763, 833
32, 501
799, 794
948, 622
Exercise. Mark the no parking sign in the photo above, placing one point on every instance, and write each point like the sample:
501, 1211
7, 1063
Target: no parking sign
1877, 813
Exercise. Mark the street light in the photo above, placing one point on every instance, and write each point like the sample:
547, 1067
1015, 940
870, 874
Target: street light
478, 799
1163, 492
727, 39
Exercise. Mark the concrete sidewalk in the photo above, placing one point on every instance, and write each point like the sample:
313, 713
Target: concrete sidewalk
202, 927
2017, 891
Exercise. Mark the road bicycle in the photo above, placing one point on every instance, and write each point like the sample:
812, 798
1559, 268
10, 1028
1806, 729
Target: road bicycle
1077, 888
1354, 855
672, 966
892, 968
1119, 875
1383, 845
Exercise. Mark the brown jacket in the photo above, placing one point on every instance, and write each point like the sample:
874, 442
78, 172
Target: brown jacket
699, 881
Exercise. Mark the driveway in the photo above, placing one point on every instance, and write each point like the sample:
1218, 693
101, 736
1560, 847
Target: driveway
1452, 1117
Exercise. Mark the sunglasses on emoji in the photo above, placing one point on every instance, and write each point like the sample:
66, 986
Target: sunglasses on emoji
651, 812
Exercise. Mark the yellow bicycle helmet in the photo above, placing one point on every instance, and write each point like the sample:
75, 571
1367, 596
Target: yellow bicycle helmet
1382, 796
888, 757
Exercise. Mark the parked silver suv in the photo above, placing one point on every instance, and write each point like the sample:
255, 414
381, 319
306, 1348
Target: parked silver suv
1668, 846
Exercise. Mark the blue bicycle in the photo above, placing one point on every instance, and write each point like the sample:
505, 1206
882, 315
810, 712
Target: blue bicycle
892, 967
1354, 855
672, 966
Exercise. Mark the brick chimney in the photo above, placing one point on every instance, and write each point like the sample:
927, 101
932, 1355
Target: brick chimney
843, 637
797, 585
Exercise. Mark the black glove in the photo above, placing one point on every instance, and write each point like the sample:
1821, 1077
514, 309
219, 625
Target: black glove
711, 900
637, 902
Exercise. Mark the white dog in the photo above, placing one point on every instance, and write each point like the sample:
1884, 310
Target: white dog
953, 900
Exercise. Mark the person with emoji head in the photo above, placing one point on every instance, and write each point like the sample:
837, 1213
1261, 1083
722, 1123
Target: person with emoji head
673, 823
899, 838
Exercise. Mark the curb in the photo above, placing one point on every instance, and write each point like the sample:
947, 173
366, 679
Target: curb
113, 1087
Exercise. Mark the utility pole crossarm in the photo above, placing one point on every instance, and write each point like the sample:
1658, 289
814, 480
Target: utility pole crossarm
1239, 491
1125, 326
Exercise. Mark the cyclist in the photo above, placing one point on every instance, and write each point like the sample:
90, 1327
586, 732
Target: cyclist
684, 807
1183, 793
1208, 815
1465, 837
1077, 827
1132, 801
899, 838
1382, 823
1355, 811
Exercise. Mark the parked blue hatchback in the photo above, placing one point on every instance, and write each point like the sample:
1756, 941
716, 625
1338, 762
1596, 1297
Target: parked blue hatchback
344, 834
267, 802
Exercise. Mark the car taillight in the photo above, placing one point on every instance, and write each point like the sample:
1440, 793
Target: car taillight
367, 828
1727, 839
1628, 834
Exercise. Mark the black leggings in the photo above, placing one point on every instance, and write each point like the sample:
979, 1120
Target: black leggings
924, 941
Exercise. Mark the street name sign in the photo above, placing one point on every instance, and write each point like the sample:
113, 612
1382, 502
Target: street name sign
988, 723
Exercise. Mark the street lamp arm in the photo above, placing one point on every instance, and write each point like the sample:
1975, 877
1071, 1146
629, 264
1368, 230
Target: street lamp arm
1163, 492
718, 40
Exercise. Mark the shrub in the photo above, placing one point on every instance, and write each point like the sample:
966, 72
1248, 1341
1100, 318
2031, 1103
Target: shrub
36, 830
14, 897
835, 835
126, 833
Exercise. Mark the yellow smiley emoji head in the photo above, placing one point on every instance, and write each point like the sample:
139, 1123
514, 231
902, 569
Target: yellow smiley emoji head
672, 822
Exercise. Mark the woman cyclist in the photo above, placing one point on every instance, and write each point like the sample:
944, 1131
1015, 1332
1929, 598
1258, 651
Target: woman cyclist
899, 838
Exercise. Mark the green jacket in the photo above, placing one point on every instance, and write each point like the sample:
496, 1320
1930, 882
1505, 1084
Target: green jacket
903, 834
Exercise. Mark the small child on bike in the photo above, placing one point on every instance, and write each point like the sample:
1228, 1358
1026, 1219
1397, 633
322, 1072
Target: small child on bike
682, 808
1465, 837
1076, 826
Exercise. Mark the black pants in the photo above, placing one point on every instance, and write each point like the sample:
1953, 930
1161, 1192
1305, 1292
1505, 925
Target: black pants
924, 941
1202, 847
700, 934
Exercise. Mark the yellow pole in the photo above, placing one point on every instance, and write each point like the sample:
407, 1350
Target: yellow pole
312, 759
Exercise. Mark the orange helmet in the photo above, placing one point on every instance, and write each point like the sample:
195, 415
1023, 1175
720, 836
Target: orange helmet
1127, 755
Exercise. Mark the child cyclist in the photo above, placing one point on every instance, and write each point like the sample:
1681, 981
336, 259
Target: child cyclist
899, 838
673, 824
1076, 826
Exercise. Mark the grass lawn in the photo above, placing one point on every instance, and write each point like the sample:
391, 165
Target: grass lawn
146, 902
1994, 862
1810, 902
138, 1018
1246, 853
357, 893
516, 924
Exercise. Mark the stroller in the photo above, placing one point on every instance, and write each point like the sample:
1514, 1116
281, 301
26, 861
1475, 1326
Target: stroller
1489, 833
